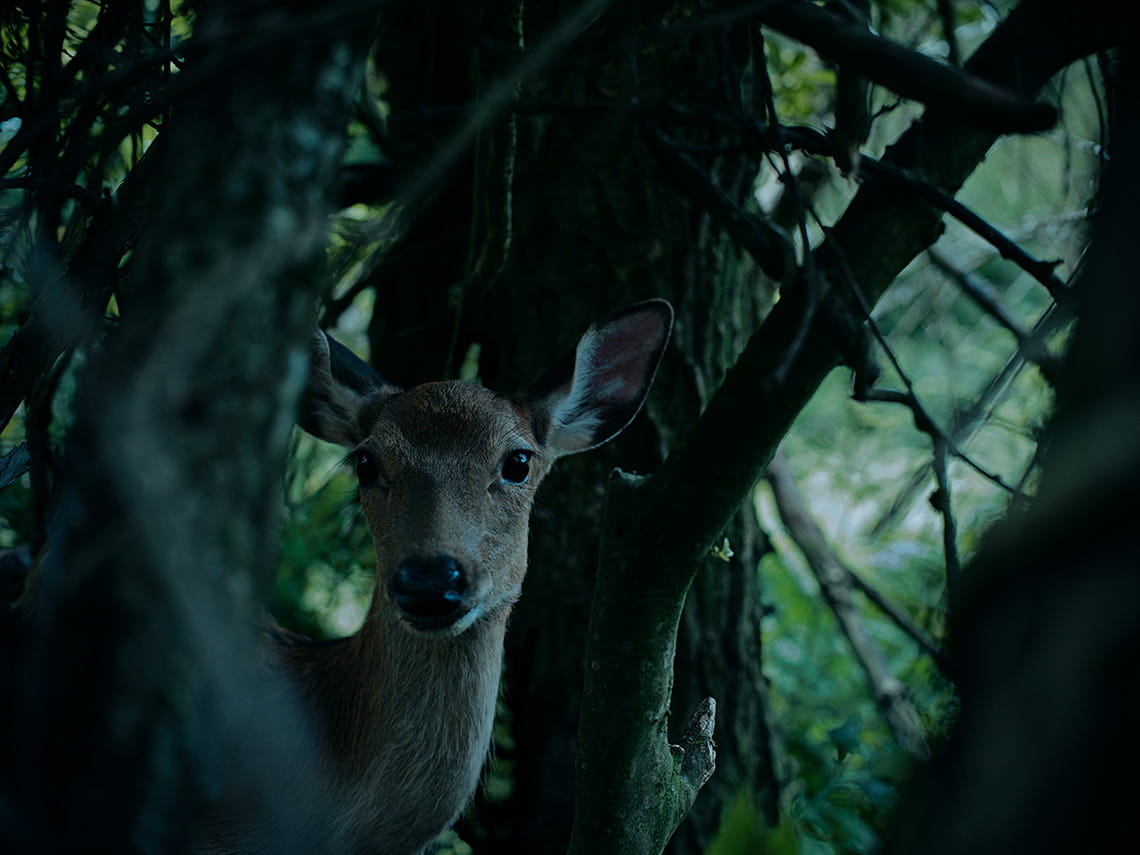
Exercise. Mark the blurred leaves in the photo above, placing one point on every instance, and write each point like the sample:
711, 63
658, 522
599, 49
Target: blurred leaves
326, 566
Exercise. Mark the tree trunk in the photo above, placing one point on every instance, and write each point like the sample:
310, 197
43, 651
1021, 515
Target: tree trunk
165, 525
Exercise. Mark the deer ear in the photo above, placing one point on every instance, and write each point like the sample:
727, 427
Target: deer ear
340, 391
593, 395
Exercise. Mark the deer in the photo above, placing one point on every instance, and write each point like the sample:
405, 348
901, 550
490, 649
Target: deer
447, 473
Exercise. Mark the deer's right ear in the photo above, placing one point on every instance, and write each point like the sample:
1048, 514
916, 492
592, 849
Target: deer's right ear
341, 389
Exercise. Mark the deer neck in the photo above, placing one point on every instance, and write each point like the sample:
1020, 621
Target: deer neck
409, 718
428, 684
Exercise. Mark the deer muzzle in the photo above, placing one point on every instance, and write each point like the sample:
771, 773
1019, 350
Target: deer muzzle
432, 592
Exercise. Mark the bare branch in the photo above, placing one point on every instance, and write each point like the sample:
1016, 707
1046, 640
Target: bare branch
835, 583
902, 622
967, 417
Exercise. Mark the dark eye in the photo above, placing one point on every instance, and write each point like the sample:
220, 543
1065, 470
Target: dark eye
367, 470
516, 467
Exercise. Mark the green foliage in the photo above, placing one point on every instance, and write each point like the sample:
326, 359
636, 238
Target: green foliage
842, 764
801, 83
325, 571
744, 832
16, 523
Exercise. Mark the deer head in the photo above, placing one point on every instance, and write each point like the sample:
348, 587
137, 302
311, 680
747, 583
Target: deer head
448, 471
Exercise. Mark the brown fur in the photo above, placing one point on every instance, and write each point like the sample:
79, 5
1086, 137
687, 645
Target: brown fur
403, 718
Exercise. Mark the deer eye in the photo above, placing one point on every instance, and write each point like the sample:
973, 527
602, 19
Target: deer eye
367, 469
516, 467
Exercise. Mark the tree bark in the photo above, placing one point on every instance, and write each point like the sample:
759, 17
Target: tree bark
598, 229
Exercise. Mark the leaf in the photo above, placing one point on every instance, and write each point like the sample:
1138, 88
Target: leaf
845, 738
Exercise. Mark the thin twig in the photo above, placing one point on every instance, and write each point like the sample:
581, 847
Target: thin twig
904, 623
983, 295
942, 502
965, 421
922, 418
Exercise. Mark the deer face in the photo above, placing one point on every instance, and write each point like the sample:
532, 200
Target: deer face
448, 471
447, 479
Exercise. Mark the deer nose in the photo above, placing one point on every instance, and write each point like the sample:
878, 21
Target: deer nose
430, 590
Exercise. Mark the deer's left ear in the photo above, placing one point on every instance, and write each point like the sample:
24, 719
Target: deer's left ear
591, 397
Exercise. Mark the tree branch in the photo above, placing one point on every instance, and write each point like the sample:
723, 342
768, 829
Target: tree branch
965, 420
632, 788
1043, 271
835, 583
954, 93
904, 623
770, 247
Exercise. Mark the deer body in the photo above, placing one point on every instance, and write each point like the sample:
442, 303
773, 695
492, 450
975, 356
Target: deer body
403, 710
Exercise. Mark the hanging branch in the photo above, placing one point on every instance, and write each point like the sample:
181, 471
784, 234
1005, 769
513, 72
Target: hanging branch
941, 501
835, 583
